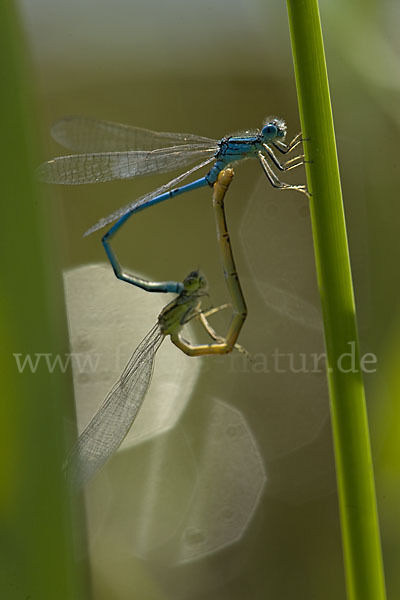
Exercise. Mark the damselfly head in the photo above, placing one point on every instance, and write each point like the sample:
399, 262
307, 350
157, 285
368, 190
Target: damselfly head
273, 128
194, 282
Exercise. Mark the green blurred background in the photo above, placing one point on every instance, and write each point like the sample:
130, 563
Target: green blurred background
213, 68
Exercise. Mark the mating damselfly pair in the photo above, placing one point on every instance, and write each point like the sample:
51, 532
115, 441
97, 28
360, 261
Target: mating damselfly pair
112, 151
111, 423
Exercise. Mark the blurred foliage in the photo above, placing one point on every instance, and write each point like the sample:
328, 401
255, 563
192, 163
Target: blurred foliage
37, 559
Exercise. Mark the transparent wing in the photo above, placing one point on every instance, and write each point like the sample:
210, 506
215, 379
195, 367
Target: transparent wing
106, 166
109, 426
90, 135
132, 206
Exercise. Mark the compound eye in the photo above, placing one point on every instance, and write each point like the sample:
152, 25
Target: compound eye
194, 281
202, 282
270, 130
190, 280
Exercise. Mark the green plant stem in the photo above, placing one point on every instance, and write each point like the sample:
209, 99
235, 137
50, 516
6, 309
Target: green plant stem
357, 501
36, 553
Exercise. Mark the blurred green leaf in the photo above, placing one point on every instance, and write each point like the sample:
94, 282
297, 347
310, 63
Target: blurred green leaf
37, 546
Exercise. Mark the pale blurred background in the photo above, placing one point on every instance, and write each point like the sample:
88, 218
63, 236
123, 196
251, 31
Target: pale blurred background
236, 497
